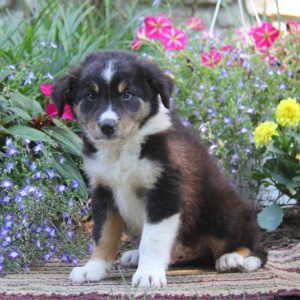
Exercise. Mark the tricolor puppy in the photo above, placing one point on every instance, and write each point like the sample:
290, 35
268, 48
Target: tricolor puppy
151, 176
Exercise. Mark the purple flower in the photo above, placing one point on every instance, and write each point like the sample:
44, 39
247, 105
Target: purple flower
66, 258
244, 130
75, 184
203, 128
38, 193
5, 199
9, 142
6, 183
26, 141
29, 77
37, 243
38, 148
50, 173
69, 234
48, 256
250, 110
189, 101
18, 235
23, 192
32, 166
11, 151
6, 241
60, 188
224, 73
37, 175
71, 203
283, 86
75, 260
9, 166
227, 120
62, 160
13, 253
212, 88
212, 148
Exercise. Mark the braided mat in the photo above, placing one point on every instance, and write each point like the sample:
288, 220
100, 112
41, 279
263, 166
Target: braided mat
279, 279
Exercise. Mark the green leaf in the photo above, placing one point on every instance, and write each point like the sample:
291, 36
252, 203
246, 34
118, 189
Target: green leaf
30, 133
68, 170
21, 113
27, 104
66, 138
270, 217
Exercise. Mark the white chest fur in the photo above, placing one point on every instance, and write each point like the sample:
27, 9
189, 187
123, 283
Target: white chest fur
119, 167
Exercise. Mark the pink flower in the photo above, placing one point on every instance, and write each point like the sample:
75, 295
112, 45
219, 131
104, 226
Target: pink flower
174, 39
46, 89
293, 27
156, 26
136, 44
141, 33
52, 112
51, 109
227, 48
211, 59
195, 23
264, 36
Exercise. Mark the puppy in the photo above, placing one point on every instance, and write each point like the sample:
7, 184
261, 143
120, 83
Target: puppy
151, 176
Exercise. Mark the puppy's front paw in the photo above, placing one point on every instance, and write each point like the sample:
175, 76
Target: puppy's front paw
94, 270
130, 258
229, 262
152, 276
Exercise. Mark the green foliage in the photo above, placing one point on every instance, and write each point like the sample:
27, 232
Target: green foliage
39, 208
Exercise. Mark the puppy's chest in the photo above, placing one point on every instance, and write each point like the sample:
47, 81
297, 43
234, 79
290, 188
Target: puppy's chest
126, 175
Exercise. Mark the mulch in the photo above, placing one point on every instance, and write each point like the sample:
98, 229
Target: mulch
279, 279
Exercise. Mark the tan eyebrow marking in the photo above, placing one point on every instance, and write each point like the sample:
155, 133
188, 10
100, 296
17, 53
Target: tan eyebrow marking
95, 87
122, 86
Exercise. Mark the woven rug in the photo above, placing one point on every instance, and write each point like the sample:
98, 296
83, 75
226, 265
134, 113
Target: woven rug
279, 279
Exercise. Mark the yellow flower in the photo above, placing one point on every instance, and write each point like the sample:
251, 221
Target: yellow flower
298, 156
288, 112
264, 132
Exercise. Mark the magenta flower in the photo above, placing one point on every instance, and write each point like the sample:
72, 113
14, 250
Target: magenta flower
227, 48
211, 59
264, 36
174, 39
46, 89
156, 26
51, 109
195, 23
136, 44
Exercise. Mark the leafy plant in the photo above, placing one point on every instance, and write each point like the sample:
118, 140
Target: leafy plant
39, 208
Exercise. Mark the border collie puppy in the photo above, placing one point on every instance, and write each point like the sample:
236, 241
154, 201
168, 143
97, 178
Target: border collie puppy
151, 176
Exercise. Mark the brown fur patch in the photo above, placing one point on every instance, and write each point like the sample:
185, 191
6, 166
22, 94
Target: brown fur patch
217, 246
243, 251
122, 86
107, 247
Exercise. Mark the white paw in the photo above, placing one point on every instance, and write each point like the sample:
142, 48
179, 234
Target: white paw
130, 258
251, 263
94, 270
229, 262
150, 276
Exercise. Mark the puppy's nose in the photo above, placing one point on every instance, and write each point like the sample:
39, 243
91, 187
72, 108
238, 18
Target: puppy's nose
108, 127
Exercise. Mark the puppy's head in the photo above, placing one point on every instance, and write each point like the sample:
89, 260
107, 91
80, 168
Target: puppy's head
113, 93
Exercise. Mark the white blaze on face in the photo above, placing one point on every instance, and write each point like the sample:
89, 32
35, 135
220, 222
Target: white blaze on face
108, 72
109, 114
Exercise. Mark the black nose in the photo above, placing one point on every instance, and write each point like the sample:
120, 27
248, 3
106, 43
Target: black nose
108, 127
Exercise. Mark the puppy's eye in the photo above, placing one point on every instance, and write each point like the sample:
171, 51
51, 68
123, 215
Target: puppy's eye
91, 97
126, 96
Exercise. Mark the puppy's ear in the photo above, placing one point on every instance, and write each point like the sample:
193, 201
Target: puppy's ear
63, 89
161, 83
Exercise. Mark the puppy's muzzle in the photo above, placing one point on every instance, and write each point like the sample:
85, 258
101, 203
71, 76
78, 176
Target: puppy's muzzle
108, 127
